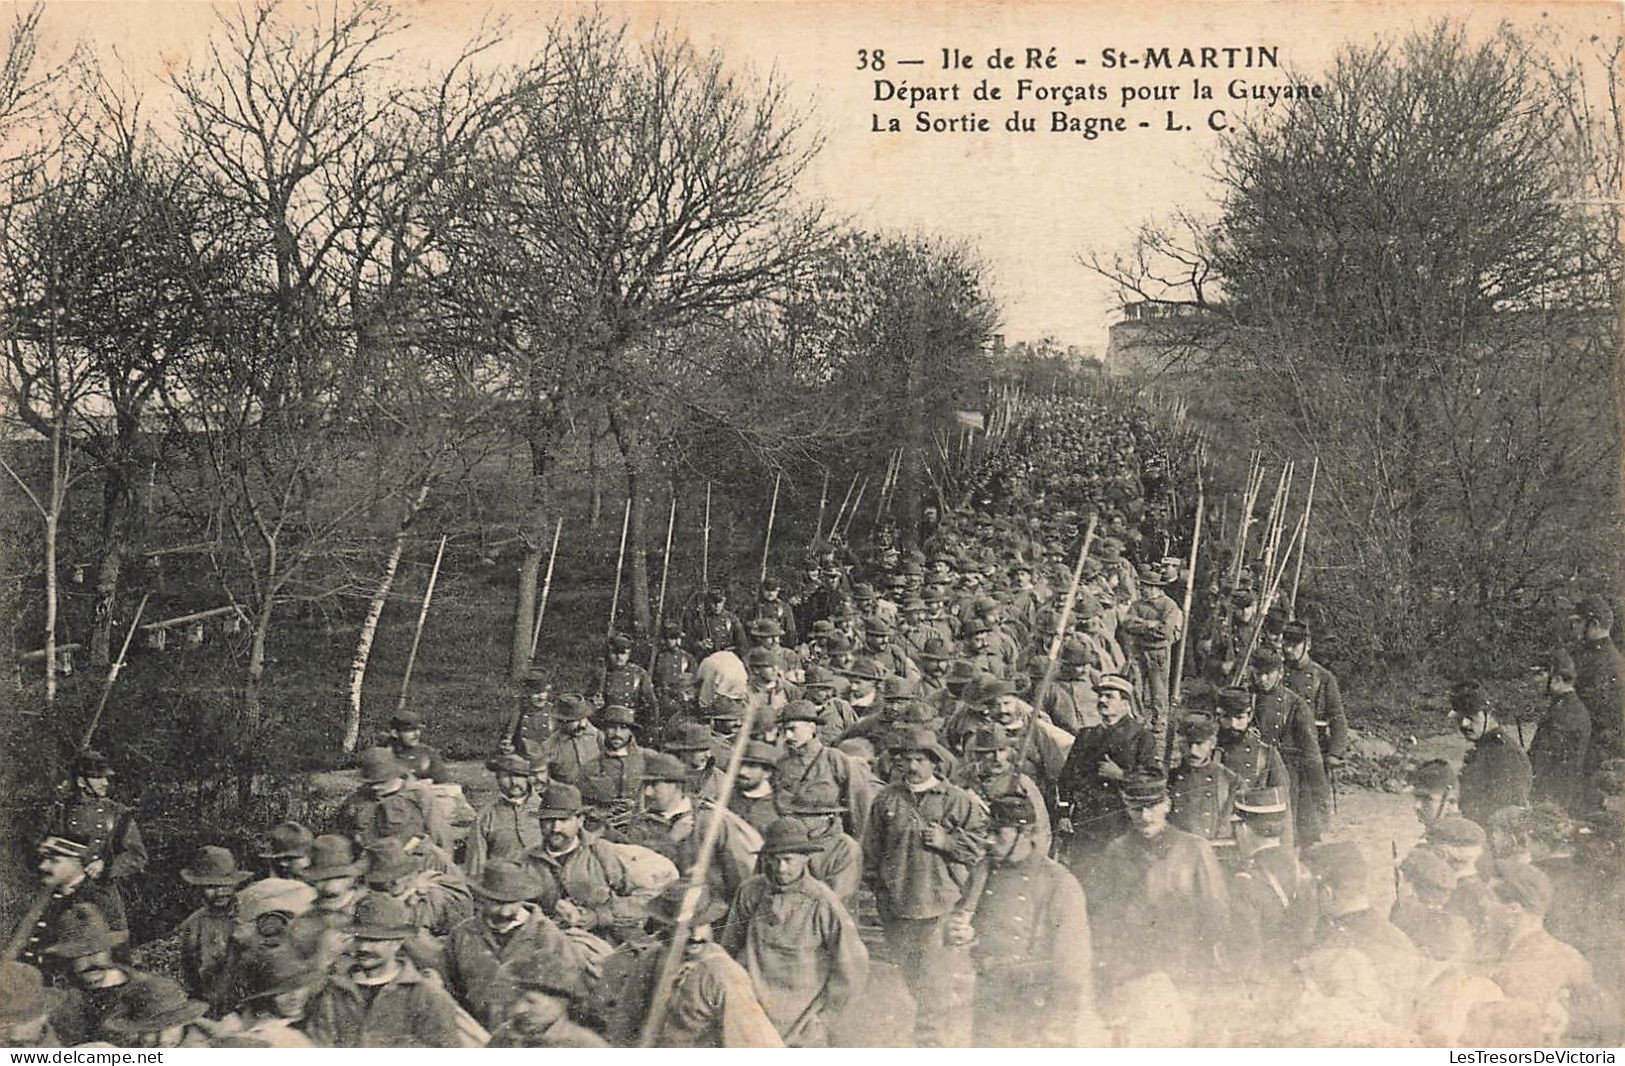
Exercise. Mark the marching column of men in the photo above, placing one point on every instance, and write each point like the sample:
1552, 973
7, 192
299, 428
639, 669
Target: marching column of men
1048, 853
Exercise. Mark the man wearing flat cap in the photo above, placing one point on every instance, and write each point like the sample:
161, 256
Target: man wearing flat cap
108, 829
1101, 759
1284, 720
623, 683
61, 866
796, 939
923, 842
205, 934
1158, 898
506, 827
1422, 910
505, 928
1534, 966
1032, 951
712, 1003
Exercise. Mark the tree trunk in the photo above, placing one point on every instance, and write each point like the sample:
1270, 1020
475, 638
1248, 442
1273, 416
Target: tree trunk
375, 611
50, 600
253, 704
595, 509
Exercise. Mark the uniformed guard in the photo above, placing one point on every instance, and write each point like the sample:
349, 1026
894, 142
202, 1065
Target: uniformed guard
1495, 772
1284, 719
64, 885
107, 827
623, 683
1319, 688
1202, 789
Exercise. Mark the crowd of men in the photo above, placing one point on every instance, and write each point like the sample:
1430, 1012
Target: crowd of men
964, 758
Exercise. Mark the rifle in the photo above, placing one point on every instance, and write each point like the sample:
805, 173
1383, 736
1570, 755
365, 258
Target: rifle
42, 897
620, 561
417, 634
772, 513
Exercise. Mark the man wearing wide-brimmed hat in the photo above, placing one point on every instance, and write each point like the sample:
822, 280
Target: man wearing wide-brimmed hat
796, 939
839, 860
675, 823
107, 828
538, 1012
989, 771
81, 956
835, 715
506, 927
694, 744
285, 849
754, 798
712, 1003
1153, 625
505, 827
809, 762
572, 744
155, 1012
611, 781
924, 838
26, 1006
436, 901
384, 1000
335, 873
1034, 962
275, 1012
1157, 897
205, 934
61, 868
408, 807
587, 882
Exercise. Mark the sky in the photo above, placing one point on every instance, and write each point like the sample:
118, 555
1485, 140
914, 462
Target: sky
1033, 203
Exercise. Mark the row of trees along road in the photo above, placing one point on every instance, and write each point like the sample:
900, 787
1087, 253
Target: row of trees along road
1417, 277
275, 308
